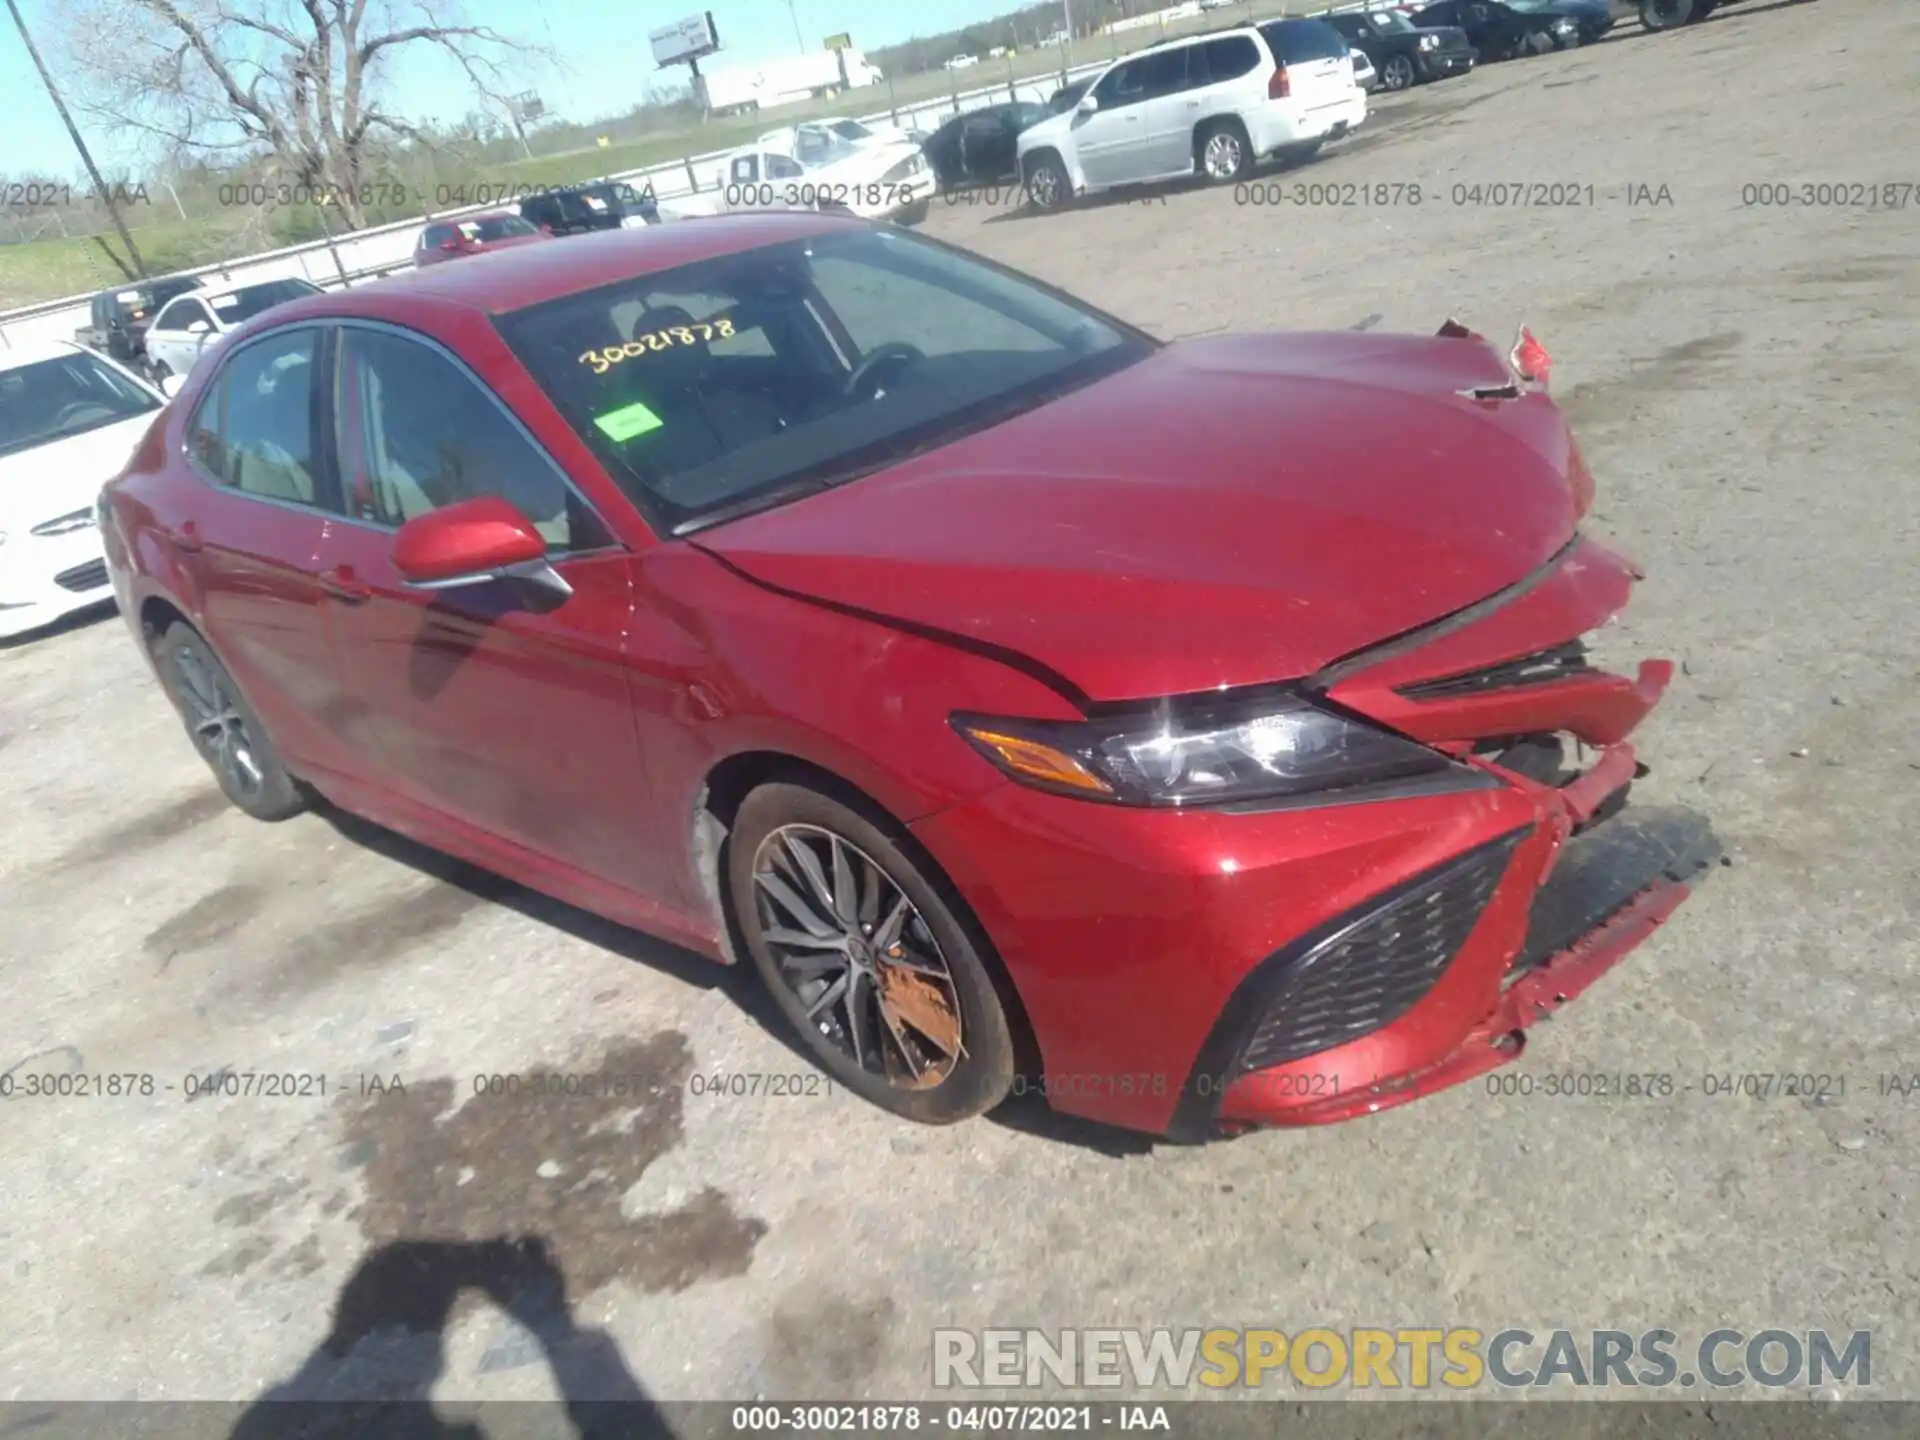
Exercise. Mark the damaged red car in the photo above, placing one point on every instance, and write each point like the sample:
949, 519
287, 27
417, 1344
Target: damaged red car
1033, 704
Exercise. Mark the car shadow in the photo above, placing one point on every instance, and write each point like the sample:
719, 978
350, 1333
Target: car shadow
1028, 1114
1160, 193
65, 625
1730, 12
374, 1372
739, 983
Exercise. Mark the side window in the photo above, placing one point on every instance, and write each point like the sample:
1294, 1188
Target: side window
203, 431
746, 169
1167, 71
186, 312
417, 434
265, 444
1123, 85
435, 237
1232, 57
172, 318
779, 167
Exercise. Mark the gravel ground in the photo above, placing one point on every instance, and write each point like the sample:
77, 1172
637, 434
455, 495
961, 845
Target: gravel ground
1742, 381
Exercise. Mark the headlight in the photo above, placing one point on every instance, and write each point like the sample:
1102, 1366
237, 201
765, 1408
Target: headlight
1274, 747
1429, 42
1563, 26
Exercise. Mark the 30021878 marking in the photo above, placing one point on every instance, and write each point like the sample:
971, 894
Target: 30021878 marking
1829, 195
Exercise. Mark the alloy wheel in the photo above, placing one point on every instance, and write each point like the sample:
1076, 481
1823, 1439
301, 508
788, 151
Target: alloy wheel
1398, 74
219, 729
1044, 186
1221, 157
858, 956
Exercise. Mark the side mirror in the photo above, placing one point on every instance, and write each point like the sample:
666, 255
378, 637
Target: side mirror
199, 327
474, 542
1086, 106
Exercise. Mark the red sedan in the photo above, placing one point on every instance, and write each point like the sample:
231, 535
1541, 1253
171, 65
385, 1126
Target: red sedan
1032, 703
473, 235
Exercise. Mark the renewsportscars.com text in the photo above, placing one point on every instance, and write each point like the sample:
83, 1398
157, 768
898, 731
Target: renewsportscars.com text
1416, 1358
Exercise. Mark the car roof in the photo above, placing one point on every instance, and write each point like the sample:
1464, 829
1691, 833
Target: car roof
18, 357
506, 280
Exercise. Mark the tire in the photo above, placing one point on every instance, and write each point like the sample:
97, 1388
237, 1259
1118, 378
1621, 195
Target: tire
1398, 73
223, 727
901, 1044
914, 214
1048, 189
1666, 14
1222, 152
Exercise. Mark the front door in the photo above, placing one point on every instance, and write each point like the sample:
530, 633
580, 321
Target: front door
501, 706
1112, 141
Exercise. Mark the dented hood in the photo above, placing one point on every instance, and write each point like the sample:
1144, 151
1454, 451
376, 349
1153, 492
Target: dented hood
1226, 512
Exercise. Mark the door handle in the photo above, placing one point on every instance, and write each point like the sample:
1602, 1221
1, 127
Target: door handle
186, 538
342, 584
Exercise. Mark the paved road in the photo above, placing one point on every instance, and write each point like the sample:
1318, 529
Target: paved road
1742, 378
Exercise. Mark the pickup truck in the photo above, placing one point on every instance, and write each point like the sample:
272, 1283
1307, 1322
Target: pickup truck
117, 323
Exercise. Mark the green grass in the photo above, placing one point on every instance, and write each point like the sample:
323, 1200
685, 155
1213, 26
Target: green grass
49, 268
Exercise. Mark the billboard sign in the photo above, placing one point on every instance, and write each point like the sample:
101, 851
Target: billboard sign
687, 39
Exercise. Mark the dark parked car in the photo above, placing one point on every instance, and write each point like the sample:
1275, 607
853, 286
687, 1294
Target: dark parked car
1044, 700
977, 148
607, 205
118, 319
1404, 54
1503, 29
1068, 96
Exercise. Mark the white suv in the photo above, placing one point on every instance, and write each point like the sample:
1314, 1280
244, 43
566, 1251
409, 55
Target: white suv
1216, 103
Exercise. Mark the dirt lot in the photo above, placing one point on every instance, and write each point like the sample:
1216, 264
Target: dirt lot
1742, 378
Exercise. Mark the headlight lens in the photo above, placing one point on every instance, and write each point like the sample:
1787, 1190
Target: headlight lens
1429, 42
1274, 747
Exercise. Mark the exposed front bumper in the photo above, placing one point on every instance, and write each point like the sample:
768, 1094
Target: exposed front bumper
1403, 943
48, 578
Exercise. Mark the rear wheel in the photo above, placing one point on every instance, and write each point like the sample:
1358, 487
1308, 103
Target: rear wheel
865, 958
1666, 14
223, 727
1398, 73
1222, 153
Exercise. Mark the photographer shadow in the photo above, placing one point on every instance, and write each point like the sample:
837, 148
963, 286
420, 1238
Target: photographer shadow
374, 1373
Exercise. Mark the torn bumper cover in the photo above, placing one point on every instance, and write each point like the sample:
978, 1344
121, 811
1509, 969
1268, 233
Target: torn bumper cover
1436, 980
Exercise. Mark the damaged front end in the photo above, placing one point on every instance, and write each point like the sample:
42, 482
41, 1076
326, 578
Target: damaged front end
1519, 928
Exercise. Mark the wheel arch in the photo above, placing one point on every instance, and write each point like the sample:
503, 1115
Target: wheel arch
725, 788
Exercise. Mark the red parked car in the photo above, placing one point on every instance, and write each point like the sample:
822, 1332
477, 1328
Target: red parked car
473, 235
1023, 696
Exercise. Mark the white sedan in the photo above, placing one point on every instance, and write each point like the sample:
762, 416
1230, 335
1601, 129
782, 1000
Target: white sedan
188, 323
69, 421
880, 181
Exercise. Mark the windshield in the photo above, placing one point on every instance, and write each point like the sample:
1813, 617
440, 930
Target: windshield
736, 382
852, 130
245, 303
53, 399
816, 145
1391, 22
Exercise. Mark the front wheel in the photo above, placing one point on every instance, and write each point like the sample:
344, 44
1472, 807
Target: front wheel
1048, 188
914, 214
1398, 73
223, 727
865, 958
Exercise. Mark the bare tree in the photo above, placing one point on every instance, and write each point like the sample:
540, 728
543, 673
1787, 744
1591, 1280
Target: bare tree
296, 82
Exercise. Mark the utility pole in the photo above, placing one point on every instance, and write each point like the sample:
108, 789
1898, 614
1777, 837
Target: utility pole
794, 14
99, 185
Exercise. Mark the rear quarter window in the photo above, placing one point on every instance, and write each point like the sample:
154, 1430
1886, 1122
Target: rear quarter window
1295, 42
1227, 58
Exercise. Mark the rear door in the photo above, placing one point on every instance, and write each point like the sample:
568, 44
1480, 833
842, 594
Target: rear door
1319, 72
1175, 78
499, 706
250, 536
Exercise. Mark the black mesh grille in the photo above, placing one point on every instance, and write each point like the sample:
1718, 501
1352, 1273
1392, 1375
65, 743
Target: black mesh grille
1374, 969
1563, 662
90, 576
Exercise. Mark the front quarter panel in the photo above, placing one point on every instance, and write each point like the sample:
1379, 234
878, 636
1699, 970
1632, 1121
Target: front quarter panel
723, 667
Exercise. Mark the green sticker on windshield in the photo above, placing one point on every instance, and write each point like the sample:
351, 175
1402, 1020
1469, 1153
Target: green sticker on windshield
628, 421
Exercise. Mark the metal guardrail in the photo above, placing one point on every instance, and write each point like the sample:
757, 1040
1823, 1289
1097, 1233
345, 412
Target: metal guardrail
367, 254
